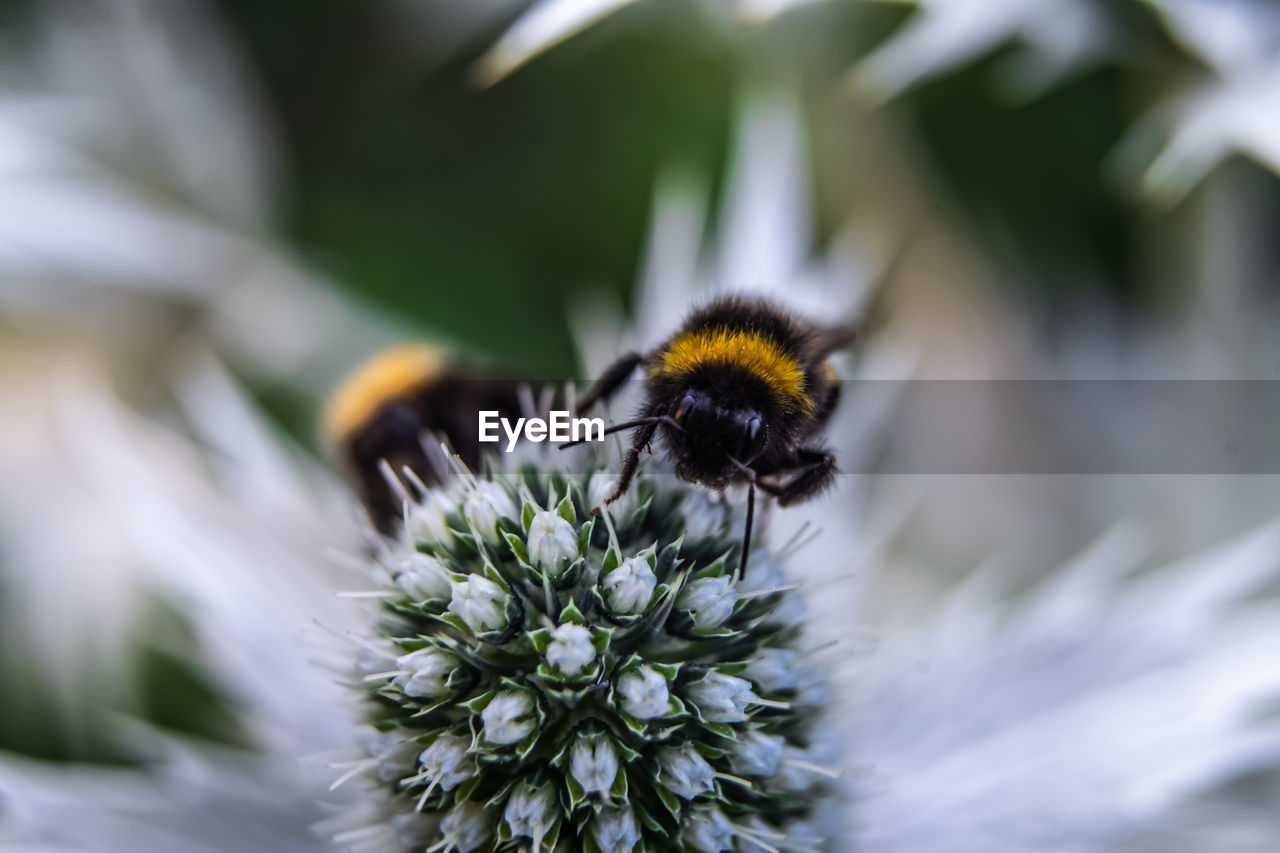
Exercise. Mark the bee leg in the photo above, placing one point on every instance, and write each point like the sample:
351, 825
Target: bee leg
813, 471
639, 439
608, 384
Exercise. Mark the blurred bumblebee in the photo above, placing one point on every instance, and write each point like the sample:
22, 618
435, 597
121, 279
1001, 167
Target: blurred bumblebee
378, 418
741, 393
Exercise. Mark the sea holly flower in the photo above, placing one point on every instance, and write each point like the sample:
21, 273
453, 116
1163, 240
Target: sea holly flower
508, 718
773, 670
572, 648
485, 504
593, 763
480, 603
707, 830
428, 519
615, 830
445, 762
467, 827
593, 708
552, 542
531, 811
721, 698
428, 672
709, 601
758, 754
703, 515
602, 484
628, 589
423, 577
644, 693
684, 772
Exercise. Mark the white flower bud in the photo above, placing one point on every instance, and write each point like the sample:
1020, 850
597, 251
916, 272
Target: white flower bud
486, 503
593, 763
601, 485
571, 649
773, 670
428, 521
685, 772
708, 831
703, 516
429, 670
480, 603
529, 811
758, 754
393, 753
467, 827
721, 698
615, 830
508, 718
445, 761
553, 544
628, 589
644, 693
423, 577
709, 601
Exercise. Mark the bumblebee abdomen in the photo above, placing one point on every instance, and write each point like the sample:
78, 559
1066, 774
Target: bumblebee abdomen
387, 378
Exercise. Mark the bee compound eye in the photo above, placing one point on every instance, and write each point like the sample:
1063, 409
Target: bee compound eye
687, 403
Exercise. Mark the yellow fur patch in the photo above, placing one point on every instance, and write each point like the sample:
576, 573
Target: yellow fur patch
748, 350
389, 374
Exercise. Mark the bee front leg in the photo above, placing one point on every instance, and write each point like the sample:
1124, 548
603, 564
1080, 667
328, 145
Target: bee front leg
811, 472
639, 440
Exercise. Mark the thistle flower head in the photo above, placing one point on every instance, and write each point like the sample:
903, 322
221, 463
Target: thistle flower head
570, 682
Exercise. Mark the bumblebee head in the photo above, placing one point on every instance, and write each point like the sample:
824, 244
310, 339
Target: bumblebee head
713, 429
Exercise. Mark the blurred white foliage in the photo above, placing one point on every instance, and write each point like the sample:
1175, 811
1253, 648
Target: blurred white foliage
541, 27
168, 101
233, 537
546, 23
192, 798
1084, 718
1054, 37
1232, 109
137, 174
1235, 109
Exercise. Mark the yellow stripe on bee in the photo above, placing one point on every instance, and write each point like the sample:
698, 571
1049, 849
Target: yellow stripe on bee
749, 350
389, 374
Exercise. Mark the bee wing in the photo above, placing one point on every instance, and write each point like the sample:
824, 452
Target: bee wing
829, 339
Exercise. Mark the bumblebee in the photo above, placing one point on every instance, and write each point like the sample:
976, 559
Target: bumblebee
741, 393
379, 415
